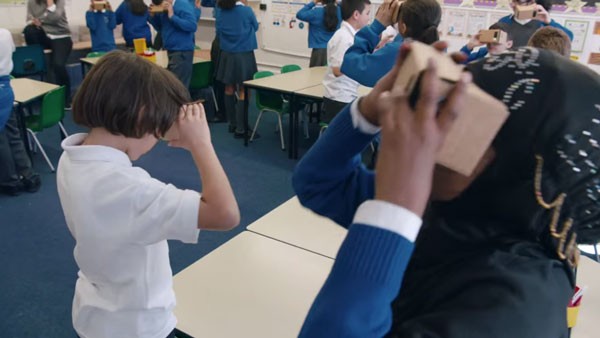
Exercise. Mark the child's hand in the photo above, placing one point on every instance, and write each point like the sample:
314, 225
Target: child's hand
108, 6
198, 4
542, 14
411, 139
384, 41
474, 42
386, 11
168, 7
192, 128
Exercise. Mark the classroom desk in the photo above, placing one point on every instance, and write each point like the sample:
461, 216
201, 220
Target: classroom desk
588, 274
293, 224
27, 90
286, 84
162, 59
251, 286
317, 92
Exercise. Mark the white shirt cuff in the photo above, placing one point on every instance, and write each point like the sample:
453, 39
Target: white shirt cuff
51, 8
360, 122
388, 216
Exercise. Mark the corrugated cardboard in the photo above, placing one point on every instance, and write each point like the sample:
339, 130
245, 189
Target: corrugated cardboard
493, 36
476, 126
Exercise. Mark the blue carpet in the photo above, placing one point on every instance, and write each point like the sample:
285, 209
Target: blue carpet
36, 248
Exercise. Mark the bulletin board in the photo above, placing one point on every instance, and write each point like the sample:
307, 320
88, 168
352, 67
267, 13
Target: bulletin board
282, 32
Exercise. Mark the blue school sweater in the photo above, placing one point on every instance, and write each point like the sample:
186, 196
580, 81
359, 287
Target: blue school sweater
472, 56
179, 30
197, 11
134, 26
237, 29
363, 65
318, 35
101, 26
356, 299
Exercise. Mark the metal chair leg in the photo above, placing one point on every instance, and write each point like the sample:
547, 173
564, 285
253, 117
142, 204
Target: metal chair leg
212, 90
41, 149
281, 131
596, 252
256, 125
62, 129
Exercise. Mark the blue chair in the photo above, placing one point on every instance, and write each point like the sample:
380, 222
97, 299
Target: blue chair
29, 61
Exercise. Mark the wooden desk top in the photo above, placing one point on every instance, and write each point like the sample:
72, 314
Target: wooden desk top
319, 90
251, 286
290, 82
162, 59
589, 312
28, 89
294, 224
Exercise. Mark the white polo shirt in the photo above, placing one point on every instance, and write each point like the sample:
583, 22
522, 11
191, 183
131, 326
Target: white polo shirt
7, 47
121, 219
342, 88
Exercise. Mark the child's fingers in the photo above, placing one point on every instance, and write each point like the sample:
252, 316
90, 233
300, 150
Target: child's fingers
427, 103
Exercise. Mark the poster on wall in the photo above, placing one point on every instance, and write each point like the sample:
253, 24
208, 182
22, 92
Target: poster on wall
594, 59
12, 2
476, 22
579, 29
597, 28
456, 23
495, 17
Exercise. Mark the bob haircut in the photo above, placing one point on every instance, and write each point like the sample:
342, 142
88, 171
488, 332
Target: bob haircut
130, 96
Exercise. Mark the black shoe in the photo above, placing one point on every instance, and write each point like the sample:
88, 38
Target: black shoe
12, 189
32, 182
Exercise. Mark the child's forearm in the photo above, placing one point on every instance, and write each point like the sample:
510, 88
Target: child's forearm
218, 207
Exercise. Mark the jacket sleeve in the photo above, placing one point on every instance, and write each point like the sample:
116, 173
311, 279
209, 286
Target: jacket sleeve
119, 14
90, 20
112, 23
355, 300
253, 20
331, 179
307, 14
184, 20
155, 21
362, 64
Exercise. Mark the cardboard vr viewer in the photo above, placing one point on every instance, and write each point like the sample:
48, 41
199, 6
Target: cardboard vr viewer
476, 126
525, 12
99, 5
493, 36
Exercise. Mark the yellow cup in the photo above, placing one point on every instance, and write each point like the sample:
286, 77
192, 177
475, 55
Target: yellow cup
572, 312
139, 45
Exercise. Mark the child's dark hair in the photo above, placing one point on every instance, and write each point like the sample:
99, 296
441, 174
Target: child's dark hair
422, 18
226, 4
503, 27
137, 7
349, 6
551, 38
130, 96
330, 19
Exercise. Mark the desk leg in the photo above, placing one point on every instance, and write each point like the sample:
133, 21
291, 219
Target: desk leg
246, 99
294, 136
21, 120
82, 70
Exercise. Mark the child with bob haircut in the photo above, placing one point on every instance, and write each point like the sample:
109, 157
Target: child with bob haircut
121, 217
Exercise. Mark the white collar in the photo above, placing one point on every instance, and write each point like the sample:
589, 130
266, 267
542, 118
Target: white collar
349, 27
239, 3
72, 145
521, 22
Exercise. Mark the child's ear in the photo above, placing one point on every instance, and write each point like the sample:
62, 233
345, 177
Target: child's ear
509, 44
402, 28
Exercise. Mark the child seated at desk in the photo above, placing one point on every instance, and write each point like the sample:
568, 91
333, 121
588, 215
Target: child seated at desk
121, 217
553, 39
101, 23
489, 48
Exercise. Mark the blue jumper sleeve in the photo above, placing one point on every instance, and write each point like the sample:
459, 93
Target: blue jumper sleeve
355, 300
331, 179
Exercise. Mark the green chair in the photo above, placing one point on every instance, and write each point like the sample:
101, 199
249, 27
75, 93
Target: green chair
272, 103
290, 68
322, 127
95, 54
202, 77
51, 114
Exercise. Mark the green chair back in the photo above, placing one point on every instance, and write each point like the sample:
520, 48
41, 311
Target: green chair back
202, 75
269, 101
290, 68
95, 54
52, 111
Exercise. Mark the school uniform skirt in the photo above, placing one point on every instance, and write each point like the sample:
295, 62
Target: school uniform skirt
234, 68
318, 57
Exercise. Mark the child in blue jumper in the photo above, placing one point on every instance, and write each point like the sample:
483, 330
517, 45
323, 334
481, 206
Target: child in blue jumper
489, 48
177, 27
237, 26
522, 30
324, 18
101, 24
418, 20
133, 14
